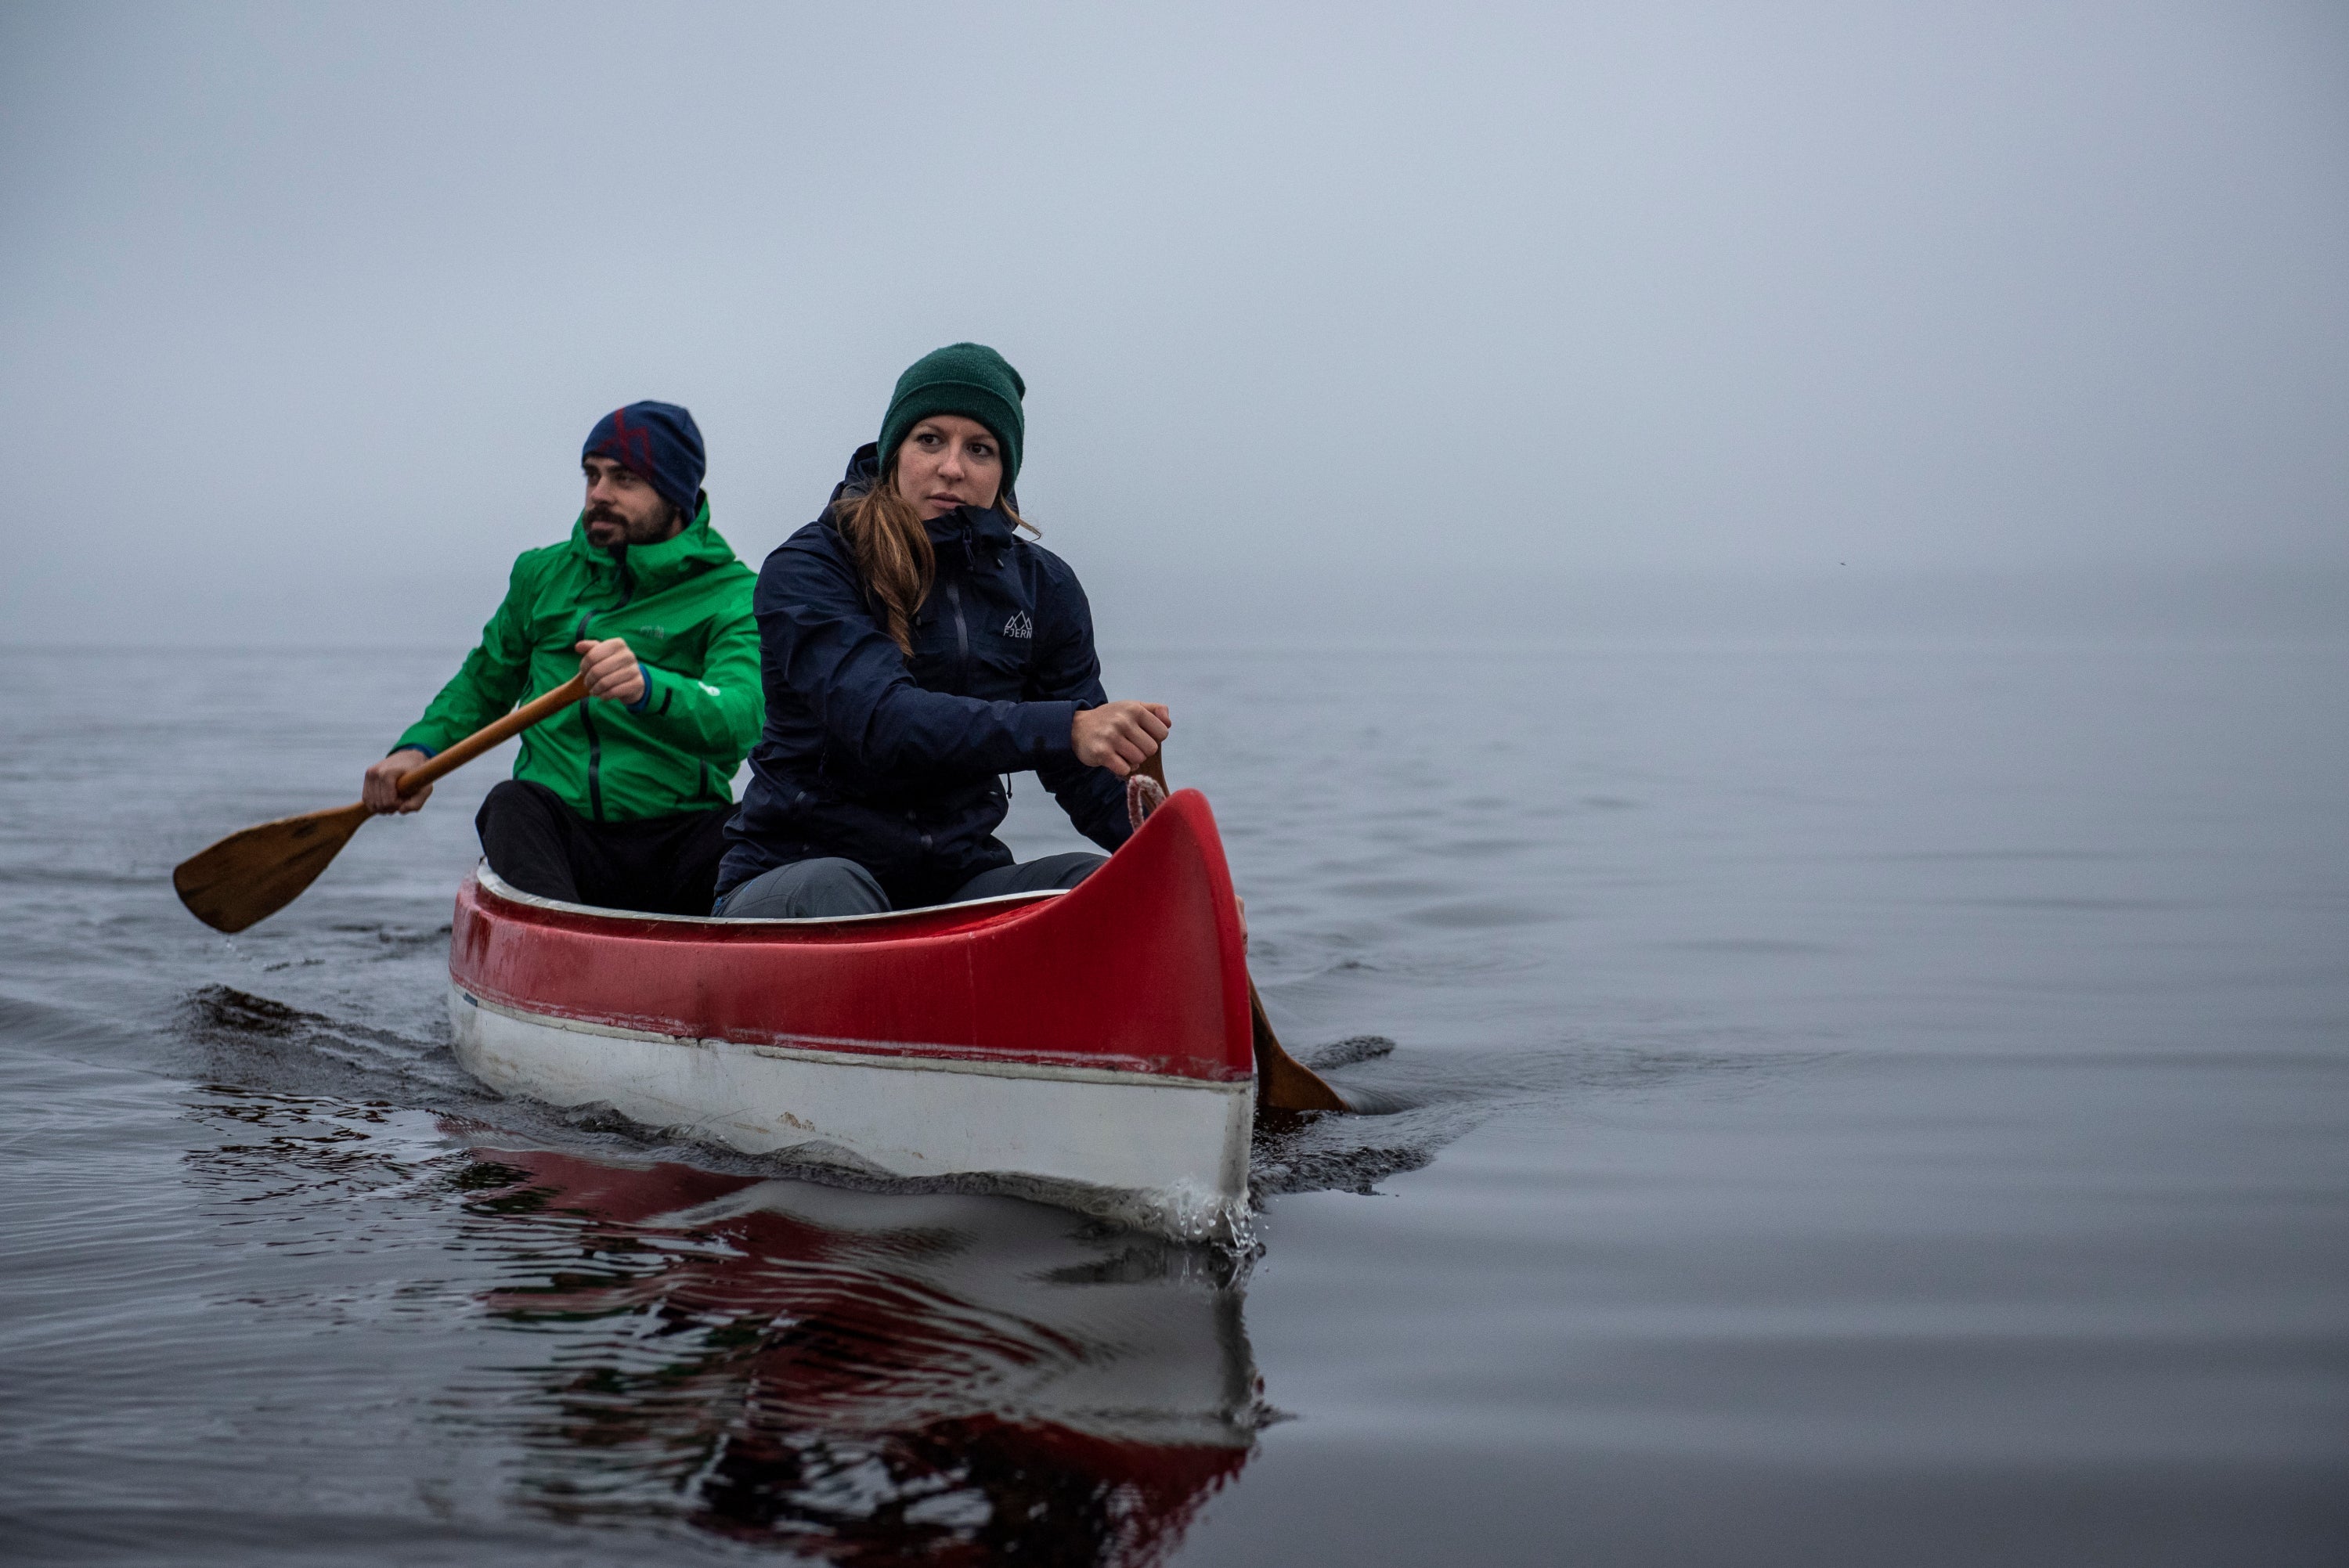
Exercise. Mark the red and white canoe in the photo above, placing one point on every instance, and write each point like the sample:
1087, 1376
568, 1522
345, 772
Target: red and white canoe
1090, 1048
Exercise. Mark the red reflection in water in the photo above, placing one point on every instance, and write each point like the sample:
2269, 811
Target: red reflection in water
872, 1379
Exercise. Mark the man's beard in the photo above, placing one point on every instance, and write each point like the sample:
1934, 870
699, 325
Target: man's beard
652, 531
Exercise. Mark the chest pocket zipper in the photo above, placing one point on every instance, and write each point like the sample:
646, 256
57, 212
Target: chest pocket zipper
962, 637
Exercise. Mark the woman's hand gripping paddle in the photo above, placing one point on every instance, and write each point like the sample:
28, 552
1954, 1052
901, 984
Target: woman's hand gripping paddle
1282, 1082
250, 876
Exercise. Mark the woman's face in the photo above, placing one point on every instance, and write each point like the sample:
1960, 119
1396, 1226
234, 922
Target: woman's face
949, 461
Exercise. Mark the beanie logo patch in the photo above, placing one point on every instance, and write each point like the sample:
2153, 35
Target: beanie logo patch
1020, 625
630, 446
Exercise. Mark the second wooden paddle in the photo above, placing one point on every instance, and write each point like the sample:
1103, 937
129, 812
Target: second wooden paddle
250, 876
1282, 1082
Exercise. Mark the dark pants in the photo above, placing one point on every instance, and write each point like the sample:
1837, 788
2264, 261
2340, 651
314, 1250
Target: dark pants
829, 887
662, 865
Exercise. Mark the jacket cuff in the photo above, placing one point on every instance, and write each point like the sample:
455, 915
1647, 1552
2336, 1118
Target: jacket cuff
1043, 729
645, 698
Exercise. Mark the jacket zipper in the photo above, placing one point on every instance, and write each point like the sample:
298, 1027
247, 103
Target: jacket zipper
595, 765
595, 740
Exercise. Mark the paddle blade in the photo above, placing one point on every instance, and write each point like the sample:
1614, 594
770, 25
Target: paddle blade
1282, 1082
252, 875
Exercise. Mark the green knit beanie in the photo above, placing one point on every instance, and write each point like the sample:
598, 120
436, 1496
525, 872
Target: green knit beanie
966, 378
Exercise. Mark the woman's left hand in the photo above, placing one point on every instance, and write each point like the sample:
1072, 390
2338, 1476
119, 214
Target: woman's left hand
1119, 735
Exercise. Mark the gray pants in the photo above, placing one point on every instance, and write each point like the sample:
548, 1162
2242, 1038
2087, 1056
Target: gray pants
829, 887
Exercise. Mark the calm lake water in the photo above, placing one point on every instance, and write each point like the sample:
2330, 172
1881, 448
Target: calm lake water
1868, 1103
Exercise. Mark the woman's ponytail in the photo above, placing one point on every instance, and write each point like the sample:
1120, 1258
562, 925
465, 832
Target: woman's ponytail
892, 552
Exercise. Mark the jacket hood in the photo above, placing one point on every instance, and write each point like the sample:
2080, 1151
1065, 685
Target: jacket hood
863, 470
697, 549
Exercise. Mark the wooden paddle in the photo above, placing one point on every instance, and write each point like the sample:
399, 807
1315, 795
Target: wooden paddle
1282, 1082
250, 876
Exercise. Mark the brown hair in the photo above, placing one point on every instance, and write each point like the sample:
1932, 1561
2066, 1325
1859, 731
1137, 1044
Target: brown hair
892, 551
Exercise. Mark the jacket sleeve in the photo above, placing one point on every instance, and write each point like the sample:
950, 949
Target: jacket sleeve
823, 644
491, 680
1067, 669
716, 714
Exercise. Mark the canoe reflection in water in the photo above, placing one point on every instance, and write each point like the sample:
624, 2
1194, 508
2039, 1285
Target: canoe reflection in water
869, 1378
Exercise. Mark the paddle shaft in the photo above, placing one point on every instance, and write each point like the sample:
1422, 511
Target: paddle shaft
489, 734
1283, 1083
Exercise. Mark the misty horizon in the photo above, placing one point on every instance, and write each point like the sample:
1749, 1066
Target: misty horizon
307, 311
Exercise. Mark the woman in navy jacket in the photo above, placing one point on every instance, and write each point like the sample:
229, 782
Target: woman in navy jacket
915, 649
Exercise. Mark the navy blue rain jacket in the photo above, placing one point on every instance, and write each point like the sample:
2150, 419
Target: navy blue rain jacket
897, 763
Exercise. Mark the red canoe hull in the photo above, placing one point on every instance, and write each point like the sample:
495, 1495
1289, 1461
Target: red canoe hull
1021, 1013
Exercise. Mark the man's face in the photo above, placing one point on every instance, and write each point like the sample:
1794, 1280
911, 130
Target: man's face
622, 509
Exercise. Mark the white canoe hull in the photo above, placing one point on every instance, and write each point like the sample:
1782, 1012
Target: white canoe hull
1170, 1153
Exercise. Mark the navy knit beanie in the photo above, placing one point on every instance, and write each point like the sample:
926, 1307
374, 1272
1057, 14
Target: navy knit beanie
660, 444
966, 378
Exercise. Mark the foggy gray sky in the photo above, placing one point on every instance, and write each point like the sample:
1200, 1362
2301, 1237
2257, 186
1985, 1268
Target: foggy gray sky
306, 310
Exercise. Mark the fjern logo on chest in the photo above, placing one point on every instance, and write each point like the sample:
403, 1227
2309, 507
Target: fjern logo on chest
1020, 625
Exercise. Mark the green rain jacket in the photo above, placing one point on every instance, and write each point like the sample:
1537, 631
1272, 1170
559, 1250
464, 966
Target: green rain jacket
683, 606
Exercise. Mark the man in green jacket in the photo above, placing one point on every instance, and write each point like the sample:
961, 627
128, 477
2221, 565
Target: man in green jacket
619, 800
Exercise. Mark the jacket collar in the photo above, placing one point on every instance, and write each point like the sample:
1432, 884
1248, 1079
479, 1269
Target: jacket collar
651, 568
986, 526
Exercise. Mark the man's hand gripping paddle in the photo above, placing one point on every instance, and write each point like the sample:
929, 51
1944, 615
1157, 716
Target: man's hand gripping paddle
250, 876
1282, 1082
